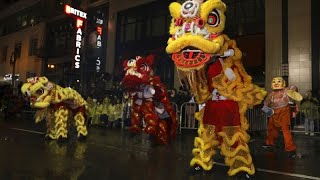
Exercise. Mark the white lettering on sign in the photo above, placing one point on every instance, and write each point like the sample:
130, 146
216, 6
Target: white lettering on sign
77, 57
98, 63
99, 41
99, 21
70, 10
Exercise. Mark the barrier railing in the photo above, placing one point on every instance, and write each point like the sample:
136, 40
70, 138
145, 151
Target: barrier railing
187, 118
28, 114
256, 118
298, 123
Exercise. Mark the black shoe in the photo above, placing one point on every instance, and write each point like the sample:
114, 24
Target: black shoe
292, 154
195, 170
244, 175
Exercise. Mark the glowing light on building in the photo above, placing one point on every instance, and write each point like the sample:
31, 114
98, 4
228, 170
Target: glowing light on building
77, 57
99, 43
70, 10
79, 24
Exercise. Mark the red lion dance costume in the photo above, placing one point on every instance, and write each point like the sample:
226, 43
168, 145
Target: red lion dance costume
210, 62
147, 92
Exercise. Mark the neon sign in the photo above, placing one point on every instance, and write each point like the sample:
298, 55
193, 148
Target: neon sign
98, 63
70, 10
99, 44
77, 57
79, 23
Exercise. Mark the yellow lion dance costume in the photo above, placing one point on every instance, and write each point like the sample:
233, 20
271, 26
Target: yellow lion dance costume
56, 104
211, 65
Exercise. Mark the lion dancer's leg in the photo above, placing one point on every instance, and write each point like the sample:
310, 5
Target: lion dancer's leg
51, 130
234, 139
80, 122
135, 118
60, 123
204, 145
155, 126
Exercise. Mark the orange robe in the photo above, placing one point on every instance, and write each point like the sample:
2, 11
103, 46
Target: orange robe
279, 102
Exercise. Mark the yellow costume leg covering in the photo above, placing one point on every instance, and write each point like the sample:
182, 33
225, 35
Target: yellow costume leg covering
204, 144
51, 130
80, 124
60, 121
236, 150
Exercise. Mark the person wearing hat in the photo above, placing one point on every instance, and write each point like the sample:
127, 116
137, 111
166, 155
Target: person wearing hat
277, 107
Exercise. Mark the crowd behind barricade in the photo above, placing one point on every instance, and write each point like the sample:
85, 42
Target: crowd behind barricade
12, 102
111, 108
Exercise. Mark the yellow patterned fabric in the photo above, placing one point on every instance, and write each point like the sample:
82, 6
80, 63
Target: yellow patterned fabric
197, 41
55, 104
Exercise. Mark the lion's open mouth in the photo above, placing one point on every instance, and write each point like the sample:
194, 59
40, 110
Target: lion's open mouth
190, 57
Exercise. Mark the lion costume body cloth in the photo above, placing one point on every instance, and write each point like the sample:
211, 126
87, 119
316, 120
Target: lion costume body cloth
211, 64
55, 104
150, 101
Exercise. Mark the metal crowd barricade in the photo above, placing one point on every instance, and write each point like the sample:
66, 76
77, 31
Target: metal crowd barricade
298, 122
28, 114
187, 116
256, 118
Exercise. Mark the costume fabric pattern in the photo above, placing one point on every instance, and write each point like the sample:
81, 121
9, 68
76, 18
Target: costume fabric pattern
147, 92
210, 62
55, 104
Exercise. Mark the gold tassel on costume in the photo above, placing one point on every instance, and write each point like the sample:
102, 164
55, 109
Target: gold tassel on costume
204, 145
80, 124
197, 83
61, 117
237, 157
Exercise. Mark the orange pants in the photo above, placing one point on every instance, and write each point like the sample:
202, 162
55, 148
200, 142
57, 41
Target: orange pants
280, 119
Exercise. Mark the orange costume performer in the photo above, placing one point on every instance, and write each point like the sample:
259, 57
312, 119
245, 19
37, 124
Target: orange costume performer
211, 65
277, 107
146, 91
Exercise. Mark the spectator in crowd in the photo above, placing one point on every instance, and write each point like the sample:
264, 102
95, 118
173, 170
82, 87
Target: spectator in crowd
310, 109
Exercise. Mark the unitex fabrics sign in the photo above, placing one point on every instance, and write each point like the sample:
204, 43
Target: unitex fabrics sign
80, 17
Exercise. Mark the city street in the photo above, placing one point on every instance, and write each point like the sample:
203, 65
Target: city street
114, 154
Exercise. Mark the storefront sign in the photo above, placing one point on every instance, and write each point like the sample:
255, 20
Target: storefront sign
98, 63
99, 43
81, 16
77, 57
70, 10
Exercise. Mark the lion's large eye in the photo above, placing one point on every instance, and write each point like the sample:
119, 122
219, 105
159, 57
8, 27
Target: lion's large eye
214, 18
39, 91
131, 63
144, 67
27, 93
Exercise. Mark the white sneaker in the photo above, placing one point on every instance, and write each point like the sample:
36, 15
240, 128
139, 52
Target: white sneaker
306, 133
311, 134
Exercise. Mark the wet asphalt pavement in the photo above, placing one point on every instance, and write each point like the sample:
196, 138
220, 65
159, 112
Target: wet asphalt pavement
112, 154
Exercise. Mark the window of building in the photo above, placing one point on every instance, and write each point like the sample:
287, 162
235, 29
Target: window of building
4, 54
155, 28
17, 49
24, 20
33, 47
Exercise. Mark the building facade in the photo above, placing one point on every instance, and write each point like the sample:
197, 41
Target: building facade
277, 38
